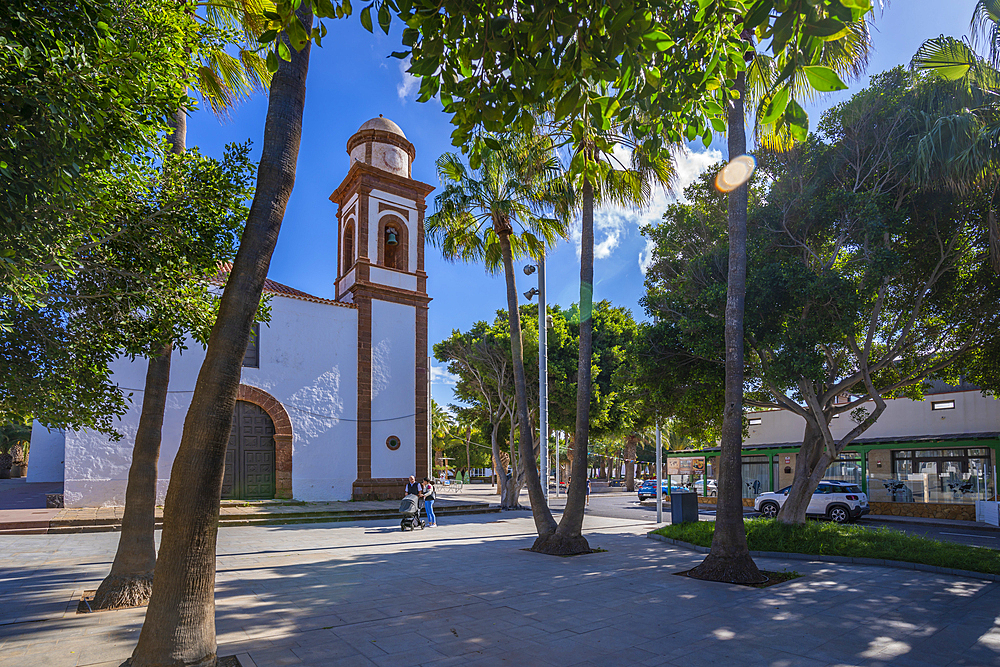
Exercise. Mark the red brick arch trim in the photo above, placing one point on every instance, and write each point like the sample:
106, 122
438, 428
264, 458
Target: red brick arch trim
282, 436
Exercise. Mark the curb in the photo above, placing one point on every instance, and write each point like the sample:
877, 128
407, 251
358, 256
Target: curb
899, 564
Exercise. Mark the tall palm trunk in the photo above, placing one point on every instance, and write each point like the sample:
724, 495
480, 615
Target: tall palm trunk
131, 578
568, 538
544, 523
729, 559
179, 628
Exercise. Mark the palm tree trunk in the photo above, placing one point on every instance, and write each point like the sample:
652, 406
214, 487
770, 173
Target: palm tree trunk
568, 538
131, 578
630, 449
729, 560
179, 628
544, 523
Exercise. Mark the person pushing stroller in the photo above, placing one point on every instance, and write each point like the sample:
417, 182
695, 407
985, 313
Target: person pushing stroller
410, 506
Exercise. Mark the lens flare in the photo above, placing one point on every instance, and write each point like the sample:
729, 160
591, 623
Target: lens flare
736, 173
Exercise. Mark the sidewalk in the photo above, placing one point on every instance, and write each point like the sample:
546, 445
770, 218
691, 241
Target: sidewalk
365, 594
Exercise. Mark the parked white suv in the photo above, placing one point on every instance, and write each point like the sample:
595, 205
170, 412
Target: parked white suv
838, 501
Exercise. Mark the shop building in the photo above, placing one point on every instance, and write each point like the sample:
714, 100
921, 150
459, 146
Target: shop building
932, 458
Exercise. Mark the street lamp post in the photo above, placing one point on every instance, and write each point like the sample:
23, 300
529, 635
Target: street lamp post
543, 373
659, 476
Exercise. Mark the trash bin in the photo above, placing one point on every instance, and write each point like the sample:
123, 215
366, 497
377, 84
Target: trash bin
683, 507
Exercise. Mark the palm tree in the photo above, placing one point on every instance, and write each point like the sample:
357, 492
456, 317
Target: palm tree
179, 626
961, 147
729, 558
598, 175
475, 221
222, 80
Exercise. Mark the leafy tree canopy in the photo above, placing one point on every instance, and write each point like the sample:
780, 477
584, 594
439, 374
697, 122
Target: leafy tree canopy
83, 83
143, 284
862, 283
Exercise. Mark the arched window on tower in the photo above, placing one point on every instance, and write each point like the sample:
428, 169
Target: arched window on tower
393, 247
348, 247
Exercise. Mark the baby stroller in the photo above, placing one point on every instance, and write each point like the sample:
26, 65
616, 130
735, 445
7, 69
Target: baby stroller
410, 509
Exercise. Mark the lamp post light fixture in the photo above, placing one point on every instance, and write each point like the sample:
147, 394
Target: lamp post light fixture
543, 371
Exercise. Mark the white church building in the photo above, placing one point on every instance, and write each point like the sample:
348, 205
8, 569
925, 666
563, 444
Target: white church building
333, 400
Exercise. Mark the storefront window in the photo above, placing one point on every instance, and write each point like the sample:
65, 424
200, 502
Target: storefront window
756, 478
846, 469
933, 476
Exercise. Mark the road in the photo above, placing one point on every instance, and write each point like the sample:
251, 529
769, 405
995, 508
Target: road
627, 506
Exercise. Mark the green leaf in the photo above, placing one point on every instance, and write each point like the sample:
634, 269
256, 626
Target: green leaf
775, 106
346, 4
399, 54
797, 120
366, 18
568, 102
384, 18
758, 14
267, 36
861, 5
823, 78
828, 29
284, 52
272, 62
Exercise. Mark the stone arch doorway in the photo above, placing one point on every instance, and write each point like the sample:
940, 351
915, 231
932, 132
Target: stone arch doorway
260, 416
249, 472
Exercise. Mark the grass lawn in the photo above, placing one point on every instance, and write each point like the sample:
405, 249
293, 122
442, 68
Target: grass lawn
830, 539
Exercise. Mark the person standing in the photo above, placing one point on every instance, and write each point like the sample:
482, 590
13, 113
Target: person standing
588, 491
412, 487
429, 497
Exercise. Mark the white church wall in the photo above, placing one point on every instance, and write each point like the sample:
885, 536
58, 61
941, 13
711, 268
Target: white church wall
46, 455
308, 362
393, 388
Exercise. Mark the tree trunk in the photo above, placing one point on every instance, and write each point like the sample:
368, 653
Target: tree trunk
544, 523
729, 560
498, 469
130, 581
568, 537
810, 464
179, 628
630, 448
131, 578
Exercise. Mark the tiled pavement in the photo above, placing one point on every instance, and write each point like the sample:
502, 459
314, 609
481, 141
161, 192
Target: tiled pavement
466, 594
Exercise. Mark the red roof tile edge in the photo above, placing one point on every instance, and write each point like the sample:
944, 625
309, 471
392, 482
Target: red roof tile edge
274, 287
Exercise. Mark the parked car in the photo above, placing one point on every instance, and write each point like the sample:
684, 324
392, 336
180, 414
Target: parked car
838, 501
648, 490
699, 487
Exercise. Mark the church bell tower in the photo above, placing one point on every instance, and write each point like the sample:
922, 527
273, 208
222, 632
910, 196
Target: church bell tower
380, 269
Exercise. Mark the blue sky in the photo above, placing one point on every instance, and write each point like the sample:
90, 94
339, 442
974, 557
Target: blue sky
351, 80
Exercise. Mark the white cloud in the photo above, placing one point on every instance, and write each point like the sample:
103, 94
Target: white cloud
440, 375
646, 256
409, 84
611, 222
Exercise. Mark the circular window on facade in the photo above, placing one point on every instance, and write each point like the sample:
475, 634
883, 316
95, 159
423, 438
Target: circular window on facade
392, 442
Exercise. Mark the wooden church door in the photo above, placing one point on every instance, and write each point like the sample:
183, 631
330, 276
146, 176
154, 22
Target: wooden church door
249, 472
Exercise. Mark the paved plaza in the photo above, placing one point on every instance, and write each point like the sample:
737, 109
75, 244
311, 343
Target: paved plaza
467, 594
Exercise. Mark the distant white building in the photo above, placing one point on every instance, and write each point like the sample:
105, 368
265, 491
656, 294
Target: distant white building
333, 398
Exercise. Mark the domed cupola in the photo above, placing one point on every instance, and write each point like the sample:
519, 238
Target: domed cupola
381, 143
